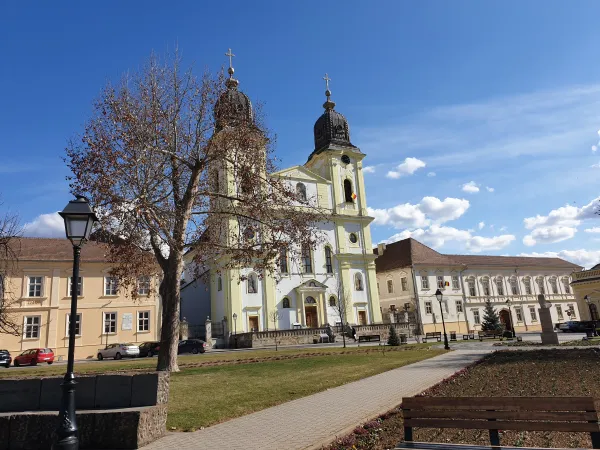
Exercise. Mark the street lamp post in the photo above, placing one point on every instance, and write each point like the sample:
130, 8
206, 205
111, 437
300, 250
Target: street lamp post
235, 329
79, 220
512, 328
439, 295
588, 300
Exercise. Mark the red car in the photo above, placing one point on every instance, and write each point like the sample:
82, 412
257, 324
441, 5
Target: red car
35, 356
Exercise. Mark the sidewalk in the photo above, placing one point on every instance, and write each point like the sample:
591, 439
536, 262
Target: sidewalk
312, 421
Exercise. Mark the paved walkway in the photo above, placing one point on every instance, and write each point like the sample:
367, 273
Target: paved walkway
312, 421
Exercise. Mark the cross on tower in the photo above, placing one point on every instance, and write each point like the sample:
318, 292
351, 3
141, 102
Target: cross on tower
230, 56
327, 80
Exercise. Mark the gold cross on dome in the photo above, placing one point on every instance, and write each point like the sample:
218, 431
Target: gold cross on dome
327, 80
230, 56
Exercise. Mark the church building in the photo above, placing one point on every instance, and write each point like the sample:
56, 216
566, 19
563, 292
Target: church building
305, 291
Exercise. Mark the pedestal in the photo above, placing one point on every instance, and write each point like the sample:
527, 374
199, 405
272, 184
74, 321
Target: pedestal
549, 337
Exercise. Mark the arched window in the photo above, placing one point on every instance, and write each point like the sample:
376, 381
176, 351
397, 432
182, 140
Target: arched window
332, 301
252, 283
471, 283
485, 282
554, 285
285, 303
306, 259
358, 282
328, 260
566, 285
301, 192
540, 283
283, 261
500, 285
514, 288
527, 284
348, 191
219, 284
310, 300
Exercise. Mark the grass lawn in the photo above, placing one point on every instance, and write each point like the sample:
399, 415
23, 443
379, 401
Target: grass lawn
536, 373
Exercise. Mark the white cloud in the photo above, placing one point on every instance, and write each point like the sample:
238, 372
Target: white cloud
568, 215
479, 244
480, 225
470, 187
45, 225
490, 189
592, 230
595, 166
503, 229
549, 235
585, 258
408, 167
369, 169
594, 148
429, 210
431, 174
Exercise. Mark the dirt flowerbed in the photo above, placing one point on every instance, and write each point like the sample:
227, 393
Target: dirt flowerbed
534, 373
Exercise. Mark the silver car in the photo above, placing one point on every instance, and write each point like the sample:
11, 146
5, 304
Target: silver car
118, 351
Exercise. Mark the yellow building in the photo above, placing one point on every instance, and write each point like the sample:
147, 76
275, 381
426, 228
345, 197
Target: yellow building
38, 293
587, 283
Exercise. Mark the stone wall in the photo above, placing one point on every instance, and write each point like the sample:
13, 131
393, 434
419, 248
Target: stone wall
113, 411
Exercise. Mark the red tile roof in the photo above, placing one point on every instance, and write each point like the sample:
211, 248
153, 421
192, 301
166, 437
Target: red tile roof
47, 249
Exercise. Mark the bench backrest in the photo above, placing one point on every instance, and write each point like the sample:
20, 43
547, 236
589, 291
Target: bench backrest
502, 413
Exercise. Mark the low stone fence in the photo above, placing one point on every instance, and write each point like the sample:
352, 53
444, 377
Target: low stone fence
383, 330
267, 338
113, 411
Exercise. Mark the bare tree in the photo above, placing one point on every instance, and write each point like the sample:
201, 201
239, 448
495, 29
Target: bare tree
274, 317
10, 232
175, 164
342, 305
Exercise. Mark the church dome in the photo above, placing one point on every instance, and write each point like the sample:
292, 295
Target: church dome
331, 127
233, 106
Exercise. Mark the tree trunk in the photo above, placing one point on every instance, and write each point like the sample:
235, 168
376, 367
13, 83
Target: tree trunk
169, 337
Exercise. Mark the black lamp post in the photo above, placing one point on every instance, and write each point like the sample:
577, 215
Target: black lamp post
79, 220
588, 300
439, 295
235, 329
512, 328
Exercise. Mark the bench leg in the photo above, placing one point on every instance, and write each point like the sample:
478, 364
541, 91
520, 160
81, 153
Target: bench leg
408, 437
494, 438
595, 439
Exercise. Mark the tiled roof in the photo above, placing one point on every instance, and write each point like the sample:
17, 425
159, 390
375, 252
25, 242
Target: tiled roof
407, 252
46, 249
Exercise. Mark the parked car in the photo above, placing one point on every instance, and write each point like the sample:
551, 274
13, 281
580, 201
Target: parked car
149, 349
194, 346
118, 351
576, 326
35, 356
5, 358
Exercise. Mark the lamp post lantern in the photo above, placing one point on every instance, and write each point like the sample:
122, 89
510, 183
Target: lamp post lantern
79, 220
588, 300
512, 328
439, 295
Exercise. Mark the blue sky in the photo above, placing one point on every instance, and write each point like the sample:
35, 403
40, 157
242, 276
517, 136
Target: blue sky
478, 118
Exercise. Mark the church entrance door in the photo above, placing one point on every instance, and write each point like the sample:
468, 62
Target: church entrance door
362, 317
311, 316
253, 323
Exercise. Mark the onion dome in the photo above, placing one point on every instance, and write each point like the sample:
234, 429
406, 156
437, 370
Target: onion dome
233, 106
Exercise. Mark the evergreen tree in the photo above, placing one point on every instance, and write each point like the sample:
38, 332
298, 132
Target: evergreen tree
491, 320
393, 338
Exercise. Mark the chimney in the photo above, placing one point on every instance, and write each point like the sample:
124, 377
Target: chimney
380, 249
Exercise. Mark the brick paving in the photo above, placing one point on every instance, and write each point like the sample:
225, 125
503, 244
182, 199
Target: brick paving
316, 420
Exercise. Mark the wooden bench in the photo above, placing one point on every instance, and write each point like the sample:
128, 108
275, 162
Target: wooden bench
433, 335
569, 414
369, 338
490, 334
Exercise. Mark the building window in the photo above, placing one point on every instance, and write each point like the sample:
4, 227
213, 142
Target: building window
540, 283
332, 301
566, 285
476, 318
306, 259
390, 286
440, 282
471, 283
144, 285
559, 312
285, 303
445, 303
79, 286
358, 282
459, 306
77, 324
348, 191
514, 289
486, 286
110, 322
455, 282
353, 238
31, 329
500, 286
428, 308
554, 285
143, 320
252, 284
424, 282
110, 286
301, 192
35, 286
527, 284
219, 283
572, 311
519, 314
283, 261
328, 260
533, 313
404, 282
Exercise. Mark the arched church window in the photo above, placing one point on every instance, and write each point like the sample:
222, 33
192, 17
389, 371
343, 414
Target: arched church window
332, 301
219, 284
310, 300
358, 282
301, 192
285, 303
306, 259
348, 191
328, 260
252, 283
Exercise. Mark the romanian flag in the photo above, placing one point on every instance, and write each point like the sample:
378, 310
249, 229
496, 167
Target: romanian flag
353, 196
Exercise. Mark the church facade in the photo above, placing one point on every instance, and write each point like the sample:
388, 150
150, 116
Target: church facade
303, 292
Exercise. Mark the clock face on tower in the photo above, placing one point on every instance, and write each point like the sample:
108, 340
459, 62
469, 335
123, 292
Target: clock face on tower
345, 159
